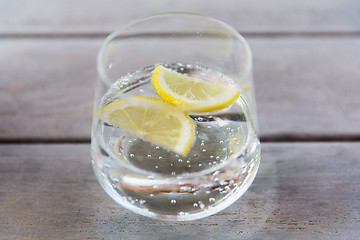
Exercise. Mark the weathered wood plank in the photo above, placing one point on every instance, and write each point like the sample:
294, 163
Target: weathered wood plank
90, 16
302, 191
307, 86
47, 88
304, 86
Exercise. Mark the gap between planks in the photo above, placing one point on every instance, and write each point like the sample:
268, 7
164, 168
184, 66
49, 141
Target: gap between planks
275, 138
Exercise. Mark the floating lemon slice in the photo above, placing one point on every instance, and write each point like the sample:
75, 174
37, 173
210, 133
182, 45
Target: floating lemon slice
153, 120
195, 95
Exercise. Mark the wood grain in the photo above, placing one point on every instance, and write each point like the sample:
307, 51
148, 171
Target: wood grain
302, 191
262, 16
47, 88
307, 87
304, 86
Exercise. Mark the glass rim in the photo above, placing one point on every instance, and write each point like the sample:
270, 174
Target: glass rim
101, 71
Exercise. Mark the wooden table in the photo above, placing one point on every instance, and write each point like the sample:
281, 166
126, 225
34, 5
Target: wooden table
307, 77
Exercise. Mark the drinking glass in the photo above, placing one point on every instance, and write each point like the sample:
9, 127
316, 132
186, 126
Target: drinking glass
224, 157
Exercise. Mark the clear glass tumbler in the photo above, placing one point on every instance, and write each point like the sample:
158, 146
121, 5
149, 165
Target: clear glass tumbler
218, 151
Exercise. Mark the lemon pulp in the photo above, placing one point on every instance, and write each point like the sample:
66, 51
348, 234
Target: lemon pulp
152, 120
193, 94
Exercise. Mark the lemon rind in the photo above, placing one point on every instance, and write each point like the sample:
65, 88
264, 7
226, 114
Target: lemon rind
169, 96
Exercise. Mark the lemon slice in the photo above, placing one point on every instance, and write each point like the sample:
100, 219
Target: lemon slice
153, 120
195, 95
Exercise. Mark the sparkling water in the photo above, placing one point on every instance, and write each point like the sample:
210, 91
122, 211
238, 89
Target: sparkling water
159, 183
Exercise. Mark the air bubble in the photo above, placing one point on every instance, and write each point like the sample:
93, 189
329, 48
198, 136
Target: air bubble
195, 204
157, 147
177, 155
187, 161
200, 119
160, 157
171, 164
204, 150
151, 195
142, 201
173, 173
217, 158
202, 144
221, 141
189, 166
132, 155
200, 165
211, 156
202, 206
185, 189
180, 160
211, 200
173, 201
156, 166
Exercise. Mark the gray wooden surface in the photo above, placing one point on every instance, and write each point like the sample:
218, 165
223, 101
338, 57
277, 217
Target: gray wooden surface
302, 191
304, 87
307, 77
259, 16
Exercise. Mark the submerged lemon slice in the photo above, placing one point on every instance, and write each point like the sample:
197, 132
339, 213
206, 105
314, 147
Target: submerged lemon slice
195, 95
153, 120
